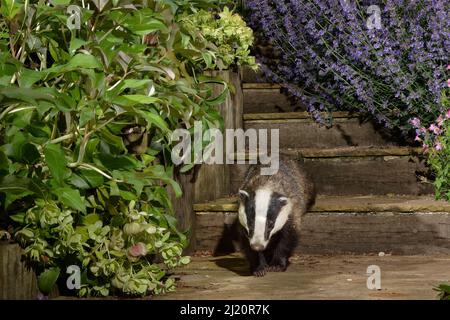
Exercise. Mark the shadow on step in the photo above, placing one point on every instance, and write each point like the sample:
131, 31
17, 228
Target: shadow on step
238, 265
229, 243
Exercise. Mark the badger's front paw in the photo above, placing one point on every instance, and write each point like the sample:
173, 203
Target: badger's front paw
277, 265
277, 268
260, 271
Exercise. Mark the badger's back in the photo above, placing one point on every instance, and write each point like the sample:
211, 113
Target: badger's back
291, 180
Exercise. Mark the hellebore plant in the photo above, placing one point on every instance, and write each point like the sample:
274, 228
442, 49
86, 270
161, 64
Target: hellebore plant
86, 115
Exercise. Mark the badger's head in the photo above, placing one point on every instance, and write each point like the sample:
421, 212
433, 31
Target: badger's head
262, 214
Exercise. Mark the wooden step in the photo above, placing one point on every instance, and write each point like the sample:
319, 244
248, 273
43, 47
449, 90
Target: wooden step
251, 76
355, 170
354, 224
298, 130
266, 97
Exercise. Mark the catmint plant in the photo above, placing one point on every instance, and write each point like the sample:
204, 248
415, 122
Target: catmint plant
331, 60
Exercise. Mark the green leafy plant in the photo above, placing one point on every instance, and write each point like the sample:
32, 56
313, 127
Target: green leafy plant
86, 116
444, 291
228, 38
435, 140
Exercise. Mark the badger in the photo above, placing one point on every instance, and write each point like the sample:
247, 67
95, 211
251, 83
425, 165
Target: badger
270, 212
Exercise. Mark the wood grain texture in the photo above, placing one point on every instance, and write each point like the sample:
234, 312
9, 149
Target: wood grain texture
371, 203
358, 175
16, 282
294, 115
303, 133
268, 100
210, 181
343, 232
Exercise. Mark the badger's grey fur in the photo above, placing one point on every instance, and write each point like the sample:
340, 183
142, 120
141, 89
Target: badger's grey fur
270, 212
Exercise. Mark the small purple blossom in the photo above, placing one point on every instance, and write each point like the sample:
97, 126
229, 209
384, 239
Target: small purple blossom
415, 122
435, 129
438, 146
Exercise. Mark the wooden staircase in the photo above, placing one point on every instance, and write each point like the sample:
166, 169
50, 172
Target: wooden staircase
370, 195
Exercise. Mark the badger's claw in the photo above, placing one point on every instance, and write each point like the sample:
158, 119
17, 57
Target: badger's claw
260, 272
276, 268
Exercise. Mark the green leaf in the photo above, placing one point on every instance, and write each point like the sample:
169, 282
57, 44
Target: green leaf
4, 163
57, 163
9, 8
29, 153
78, 61
155, 119
134, 99
29, 77
27, 94
185, 260
47, 280
91, 219
71, 198
75, 43
113, 162
143, 29
15, 184
61, 2
112, 139
78, 182
93, 178
20, 218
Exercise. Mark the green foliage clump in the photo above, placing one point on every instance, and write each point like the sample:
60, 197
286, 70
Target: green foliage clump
228, 37
443, 291
435, 140
86, 117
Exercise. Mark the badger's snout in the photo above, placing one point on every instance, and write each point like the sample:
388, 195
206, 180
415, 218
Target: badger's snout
257, 245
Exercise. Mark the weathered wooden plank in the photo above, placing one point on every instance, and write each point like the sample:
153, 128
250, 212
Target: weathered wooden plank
209, 181
370, 151
370, 175
213, 181
399, 233
261, 86
250, 76
16, 282
349, 232
358, 175
304, 133
295, 115
361, 204
269, 100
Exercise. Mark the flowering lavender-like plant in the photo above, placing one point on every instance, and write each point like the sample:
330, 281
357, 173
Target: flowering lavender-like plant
332, 61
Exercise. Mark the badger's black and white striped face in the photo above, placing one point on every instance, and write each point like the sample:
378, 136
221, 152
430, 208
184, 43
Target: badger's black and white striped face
263, 213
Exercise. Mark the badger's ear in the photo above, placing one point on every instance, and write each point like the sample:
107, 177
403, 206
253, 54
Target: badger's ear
243, 195
283, 201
